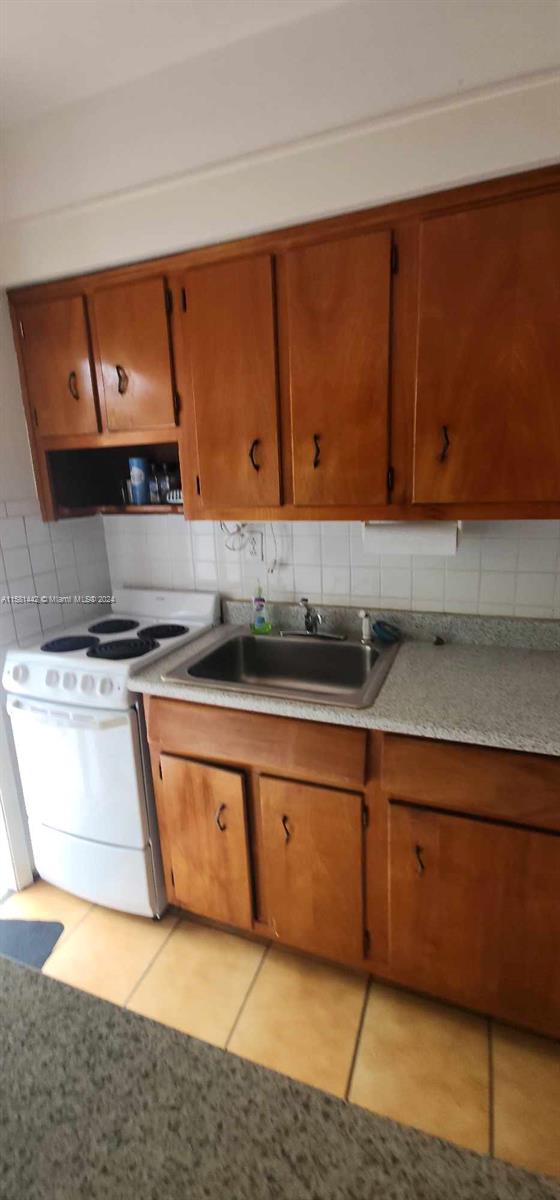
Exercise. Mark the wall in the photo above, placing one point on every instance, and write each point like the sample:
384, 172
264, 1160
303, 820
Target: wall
507, 567
361, 104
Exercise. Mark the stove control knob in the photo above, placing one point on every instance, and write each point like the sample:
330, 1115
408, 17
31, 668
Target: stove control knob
20, 673
105, 686
52, 678
69, 680
88, 683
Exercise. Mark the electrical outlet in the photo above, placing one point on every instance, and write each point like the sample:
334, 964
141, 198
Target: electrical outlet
253, 549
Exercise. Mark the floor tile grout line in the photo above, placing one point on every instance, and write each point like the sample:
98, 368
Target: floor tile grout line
246, 996
358, 1039
491, 1097
149, 966
63, 940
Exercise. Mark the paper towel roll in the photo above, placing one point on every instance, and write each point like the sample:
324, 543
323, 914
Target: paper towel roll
410, 537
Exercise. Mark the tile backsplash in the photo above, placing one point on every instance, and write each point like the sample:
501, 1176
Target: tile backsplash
62, 559
501, 567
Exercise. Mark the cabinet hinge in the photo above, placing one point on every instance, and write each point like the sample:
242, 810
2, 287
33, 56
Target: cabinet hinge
168, 301
390, 479
394, 259
184, 299
365, 816
367, 942
35, 417
198, 485
160, 770
176, 406
21, 330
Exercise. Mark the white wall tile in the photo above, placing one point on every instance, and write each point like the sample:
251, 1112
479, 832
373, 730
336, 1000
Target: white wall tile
497, 587
396, 583
336, 581
499, 554
307, 550
538, 554
428, 584
535, 588
17, 562
37, 531
307, 582
12, 532
42, 558
365, 581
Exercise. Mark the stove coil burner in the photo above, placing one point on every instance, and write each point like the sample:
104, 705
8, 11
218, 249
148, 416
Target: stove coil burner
162, 631
123, 648
114, 625
61, 645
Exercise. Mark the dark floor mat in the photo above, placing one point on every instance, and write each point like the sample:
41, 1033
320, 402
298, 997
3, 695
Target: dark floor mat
29, 942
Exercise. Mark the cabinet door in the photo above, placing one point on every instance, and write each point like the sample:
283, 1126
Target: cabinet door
133, 345
54, 341
335, 310
475, 914
487, 411
230, 359
313, 867
203, 825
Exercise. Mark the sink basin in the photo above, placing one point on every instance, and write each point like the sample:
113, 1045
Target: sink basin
301, 668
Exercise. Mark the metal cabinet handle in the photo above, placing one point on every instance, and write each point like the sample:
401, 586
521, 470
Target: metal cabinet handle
446, 444
420, 865
317, 454
256, 466
287, 834
122, 378
218, 818
73, 385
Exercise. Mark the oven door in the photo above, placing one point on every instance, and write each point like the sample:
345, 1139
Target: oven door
81, 771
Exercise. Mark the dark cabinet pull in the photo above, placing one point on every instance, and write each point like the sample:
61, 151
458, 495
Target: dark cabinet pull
256, 466
73, 385
218, 818
317, 454
287, 834
446, 444
122, 378
420, 866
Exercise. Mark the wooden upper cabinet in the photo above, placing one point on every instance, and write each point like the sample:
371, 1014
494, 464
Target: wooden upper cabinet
229, 361
203, 826
488, 392
334, 322
474, 914
312, 840
55, 348
134, 352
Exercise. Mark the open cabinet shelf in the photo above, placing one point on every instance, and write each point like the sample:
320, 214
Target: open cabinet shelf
89, 481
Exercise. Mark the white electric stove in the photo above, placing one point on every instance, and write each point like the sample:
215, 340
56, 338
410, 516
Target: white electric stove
81, 748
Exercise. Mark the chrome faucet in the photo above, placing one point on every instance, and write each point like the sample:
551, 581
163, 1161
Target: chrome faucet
312, 618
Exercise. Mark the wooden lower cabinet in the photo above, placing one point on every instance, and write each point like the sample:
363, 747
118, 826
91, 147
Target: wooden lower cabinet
475, 913
430, 864
203, 827
313, 867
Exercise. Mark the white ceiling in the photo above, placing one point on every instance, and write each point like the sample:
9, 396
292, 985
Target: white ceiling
55, 52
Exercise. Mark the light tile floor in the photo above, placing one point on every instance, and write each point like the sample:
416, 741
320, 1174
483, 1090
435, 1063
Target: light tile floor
457, 1076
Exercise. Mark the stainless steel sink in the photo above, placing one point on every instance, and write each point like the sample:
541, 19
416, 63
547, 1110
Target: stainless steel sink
310, 668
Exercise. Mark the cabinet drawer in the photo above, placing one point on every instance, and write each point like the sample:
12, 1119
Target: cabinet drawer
504, 784
304, 749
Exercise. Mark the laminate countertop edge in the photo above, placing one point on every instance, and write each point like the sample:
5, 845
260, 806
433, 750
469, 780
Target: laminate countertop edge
482, 695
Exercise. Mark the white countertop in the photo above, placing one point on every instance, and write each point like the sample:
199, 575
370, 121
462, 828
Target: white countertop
486, 695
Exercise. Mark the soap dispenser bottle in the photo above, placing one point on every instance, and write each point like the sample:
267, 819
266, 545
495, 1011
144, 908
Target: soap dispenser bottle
260, 624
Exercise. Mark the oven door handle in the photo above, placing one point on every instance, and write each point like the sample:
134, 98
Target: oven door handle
66, 718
